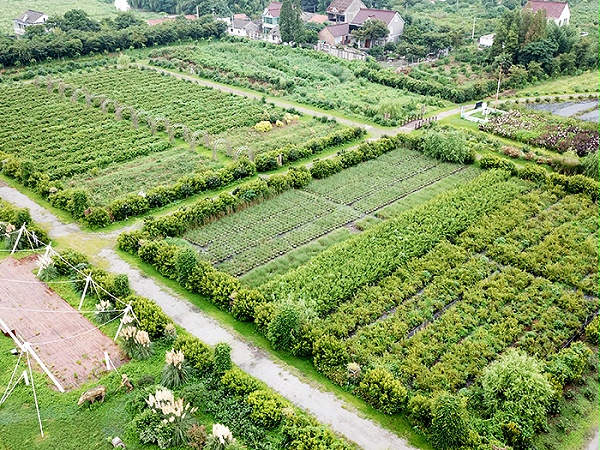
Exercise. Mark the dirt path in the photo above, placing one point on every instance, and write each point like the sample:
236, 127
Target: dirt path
325, 406
593, 444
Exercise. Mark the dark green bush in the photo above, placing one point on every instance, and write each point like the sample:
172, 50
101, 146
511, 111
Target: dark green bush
381, 390
150, 316
196, 352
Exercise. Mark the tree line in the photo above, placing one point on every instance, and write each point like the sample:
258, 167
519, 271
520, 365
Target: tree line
75, 34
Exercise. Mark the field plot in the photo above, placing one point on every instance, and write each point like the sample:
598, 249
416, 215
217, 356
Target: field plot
227, 118
300, 75
430, 300
71, 346
61, 138
255, 236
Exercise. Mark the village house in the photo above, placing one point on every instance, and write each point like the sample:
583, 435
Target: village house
27, 19
558, 12
392, 19
487, 40
343, 11
270, 16
338, 34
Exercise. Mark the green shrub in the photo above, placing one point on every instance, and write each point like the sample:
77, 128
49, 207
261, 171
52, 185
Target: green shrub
238, 382
98, 217
222, 358
448, 146
495, 162
591, 331
381, 390
67, 260
329, 356
324, 168
176, 371
589, 165
532, 173
244, 303
150, 316
266, 408
78, 202
516, 389
569, 364
420, 410
196, 352
450, 422
130, 242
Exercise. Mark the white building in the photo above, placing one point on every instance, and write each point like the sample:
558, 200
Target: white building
27, 19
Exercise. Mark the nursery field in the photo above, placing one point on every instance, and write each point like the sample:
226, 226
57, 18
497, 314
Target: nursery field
302, 76
61, 138
219, 120
436, 295
525, 276
241, 242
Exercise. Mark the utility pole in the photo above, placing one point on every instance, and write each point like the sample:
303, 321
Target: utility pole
473, 32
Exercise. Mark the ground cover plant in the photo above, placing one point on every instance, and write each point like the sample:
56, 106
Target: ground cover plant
303, 76
545, 130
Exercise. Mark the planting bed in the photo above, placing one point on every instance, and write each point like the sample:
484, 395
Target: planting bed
61, 138
250, 238
70, 346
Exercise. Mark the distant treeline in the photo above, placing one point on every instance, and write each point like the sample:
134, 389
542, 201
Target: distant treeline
63, 40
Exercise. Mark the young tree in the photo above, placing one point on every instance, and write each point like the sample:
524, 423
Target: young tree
290, 23
372, 29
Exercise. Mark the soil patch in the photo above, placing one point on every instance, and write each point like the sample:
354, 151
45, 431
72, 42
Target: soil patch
68, 343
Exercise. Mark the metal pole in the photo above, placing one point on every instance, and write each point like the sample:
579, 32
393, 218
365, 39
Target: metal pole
29, 349
37, 407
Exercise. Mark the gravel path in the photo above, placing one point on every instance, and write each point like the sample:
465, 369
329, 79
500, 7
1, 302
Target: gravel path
325, 406
593, 444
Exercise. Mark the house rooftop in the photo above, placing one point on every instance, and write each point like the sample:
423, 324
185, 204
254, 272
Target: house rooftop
553, 9
240, 16
30, 16
341, 29
339, 6
318, 18
273, 9
385, 15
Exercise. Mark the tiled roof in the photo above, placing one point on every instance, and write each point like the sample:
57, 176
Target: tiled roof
30, 16
553, 9
339, 6
374, 14
274, 9
341, 29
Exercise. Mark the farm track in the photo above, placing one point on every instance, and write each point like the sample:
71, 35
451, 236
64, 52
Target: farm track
325, 406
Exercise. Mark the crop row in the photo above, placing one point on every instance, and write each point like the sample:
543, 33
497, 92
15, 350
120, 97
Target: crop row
197, 107
372, 302
61, 138
266, 250
335, 274
305, 76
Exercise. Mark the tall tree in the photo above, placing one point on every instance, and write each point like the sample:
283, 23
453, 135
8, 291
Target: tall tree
290, 23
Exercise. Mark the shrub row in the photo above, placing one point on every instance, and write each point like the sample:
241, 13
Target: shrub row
335, 273
401, 81
270, 160
575, 184
15, 216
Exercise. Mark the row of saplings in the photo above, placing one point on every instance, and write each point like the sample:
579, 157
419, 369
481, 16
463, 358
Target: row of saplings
196, 383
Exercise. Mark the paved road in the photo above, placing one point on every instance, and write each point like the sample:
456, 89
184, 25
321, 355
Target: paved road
326, 407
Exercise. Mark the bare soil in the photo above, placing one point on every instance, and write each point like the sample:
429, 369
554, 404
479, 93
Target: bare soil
68, 343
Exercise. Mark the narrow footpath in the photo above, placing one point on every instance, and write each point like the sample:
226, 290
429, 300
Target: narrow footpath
325, 406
